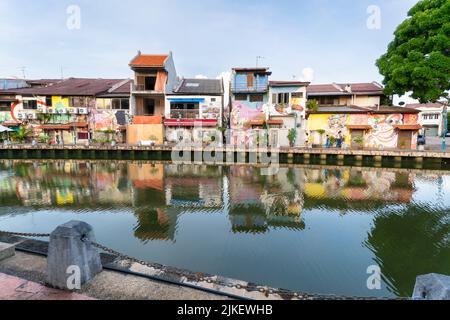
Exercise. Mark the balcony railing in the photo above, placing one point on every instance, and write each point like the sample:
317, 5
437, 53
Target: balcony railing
185, 114
242, 88
143, 88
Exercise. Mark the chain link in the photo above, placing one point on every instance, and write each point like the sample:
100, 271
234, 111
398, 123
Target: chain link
27, 235
286, 294
250, 288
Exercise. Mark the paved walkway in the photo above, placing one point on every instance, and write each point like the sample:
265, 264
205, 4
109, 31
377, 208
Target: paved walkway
13, 288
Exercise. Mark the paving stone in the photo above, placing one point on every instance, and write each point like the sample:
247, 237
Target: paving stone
6, 251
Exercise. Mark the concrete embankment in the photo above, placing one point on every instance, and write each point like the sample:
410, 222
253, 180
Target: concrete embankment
224, 155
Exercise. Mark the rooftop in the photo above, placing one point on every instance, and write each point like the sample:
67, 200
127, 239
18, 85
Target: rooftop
345, 89
288, 83
255, 70
149, 60
71, 87
424, 105
199, 86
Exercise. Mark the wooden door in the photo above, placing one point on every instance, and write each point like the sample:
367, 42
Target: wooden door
404, 139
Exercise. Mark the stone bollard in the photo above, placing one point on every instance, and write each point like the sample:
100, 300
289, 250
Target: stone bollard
432, 287
69, 256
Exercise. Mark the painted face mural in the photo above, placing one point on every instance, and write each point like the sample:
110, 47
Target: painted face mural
383, 133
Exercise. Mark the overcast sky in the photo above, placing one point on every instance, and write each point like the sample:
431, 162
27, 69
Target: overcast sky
207, 37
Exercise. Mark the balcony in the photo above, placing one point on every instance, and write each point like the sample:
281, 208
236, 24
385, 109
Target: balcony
142, 88
242, 88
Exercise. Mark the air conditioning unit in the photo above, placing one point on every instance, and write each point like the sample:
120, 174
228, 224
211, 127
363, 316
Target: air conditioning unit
51, 110
31, 116
62, 111
73, 110
41, 109
83, 111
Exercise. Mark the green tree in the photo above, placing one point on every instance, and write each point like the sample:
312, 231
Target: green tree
23, 134
418, 59
312, 105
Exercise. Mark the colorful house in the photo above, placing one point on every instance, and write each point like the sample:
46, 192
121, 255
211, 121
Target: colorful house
285, 111
249, 93
66, 111
353, 94
377, 127
154, 77
194, 110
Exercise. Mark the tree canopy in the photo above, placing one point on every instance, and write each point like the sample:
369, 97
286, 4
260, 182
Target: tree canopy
418, 59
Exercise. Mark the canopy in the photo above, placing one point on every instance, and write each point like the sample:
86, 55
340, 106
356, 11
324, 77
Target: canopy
5, 129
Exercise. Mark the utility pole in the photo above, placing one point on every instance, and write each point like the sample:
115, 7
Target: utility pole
23, 69
445, 127
257, 60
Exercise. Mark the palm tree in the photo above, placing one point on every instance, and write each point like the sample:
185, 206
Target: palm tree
23, 134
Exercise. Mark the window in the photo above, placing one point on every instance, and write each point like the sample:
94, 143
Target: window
5, 106
150, 83
297, 95
256, 98
48, 102
213, 99
185, 110
250, 81
436, 117
241, 97
120, 104
425, 117
30, 105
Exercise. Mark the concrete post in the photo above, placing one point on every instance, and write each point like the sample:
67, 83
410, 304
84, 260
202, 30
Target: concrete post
68, 253
432, 287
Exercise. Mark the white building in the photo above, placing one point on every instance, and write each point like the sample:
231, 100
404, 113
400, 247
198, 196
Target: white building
430, 117
194, 110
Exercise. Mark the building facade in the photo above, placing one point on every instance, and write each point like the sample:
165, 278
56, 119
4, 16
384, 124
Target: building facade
379, 128
154, 77
194, 111
431, 118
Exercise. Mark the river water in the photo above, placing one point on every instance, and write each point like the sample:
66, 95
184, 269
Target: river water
315, 229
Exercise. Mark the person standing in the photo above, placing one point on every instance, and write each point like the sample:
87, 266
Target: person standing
339, 140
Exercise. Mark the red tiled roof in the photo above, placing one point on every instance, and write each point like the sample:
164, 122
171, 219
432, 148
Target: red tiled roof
409, 127
359, 127
288, 83
71, 87
356, 88
149, 60
63, 126
424, 105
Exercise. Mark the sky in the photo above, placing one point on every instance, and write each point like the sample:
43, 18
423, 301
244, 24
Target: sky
317, 40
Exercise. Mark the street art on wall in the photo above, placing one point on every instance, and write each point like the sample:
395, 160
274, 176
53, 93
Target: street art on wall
210, 111
103, 120
243, 113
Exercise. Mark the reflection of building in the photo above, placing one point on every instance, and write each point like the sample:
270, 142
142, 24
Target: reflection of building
194, 186
260, 202
353, 189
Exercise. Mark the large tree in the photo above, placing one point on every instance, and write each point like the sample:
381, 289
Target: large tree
418, 59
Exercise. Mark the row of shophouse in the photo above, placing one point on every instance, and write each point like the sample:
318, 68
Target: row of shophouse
158, 106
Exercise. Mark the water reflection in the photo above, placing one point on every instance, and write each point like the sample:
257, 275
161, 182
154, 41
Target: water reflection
408, 235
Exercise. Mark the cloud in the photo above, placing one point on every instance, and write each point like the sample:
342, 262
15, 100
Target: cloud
308, 74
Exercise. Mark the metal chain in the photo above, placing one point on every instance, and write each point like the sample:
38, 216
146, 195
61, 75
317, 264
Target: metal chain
27, 235
249, 288
286, 294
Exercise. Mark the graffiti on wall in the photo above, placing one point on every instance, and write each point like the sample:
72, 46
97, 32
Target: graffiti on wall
243, 113
103, 120
211, 111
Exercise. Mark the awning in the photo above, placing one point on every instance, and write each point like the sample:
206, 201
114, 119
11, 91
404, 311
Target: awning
359, 127
187, 100
63, 126
11, 124
5, 129
408, 127
190, 123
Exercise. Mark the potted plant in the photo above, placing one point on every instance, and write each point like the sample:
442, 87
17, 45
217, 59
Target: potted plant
291, 137
22, 135
44, 138
321, 132
312, 106
359, 140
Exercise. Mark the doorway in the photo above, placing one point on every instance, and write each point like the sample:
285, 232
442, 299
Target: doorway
404, 139
357, 137
149, 107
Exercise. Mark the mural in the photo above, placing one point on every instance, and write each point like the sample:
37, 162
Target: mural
243, 112
382, 135
210, 111
103, 120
